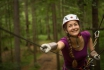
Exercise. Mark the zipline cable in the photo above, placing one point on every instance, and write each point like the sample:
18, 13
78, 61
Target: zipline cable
23, 38
101, 22
18, 36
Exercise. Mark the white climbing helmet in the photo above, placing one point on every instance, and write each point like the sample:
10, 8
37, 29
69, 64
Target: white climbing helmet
70, 17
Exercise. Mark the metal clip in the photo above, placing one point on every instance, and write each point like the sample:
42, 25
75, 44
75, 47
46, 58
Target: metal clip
97, 34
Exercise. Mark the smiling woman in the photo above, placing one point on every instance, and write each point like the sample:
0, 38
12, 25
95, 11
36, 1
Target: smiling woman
72, 27
74, 45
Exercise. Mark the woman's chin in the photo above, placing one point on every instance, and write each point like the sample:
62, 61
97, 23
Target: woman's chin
75, 35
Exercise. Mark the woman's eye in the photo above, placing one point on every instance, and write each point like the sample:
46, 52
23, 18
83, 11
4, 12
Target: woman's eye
69, 26
75, 24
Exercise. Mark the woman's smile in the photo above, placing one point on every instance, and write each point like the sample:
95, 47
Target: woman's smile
73, 28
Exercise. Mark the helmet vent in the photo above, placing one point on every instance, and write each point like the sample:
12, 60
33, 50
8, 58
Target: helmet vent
71, 17
66, 18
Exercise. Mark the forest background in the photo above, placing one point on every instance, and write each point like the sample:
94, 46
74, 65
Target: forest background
26, 24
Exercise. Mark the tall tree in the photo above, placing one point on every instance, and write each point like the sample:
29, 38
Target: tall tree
63, 8
10, 23
33, 9
81, 7
59, 17
27, 23
47, 25
0, 51
17, 31
55, 34
0, 40
95, 25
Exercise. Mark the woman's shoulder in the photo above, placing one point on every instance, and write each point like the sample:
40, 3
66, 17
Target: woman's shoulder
64, 40
86, 33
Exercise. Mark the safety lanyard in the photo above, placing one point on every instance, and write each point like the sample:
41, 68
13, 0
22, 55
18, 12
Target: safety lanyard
96, 37
90, 60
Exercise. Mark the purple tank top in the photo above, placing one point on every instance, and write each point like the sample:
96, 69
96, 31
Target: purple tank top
80, 56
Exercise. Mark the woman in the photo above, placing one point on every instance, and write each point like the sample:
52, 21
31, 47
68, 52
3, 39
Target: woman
74, 46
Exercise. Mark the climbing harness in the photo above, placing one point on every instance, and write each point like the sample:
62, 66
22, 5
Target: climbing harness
90, 60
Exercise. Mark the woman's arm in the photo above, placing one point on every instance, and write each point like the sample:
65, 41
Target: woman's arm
93, 53
60, 46
53, 46
90, 44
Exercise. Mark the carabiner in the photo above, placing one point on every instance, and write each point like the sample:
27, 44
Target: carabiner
97, 34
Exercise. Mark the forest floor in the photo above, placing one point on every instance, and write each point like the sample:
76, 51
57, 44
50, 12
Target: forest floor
46, 61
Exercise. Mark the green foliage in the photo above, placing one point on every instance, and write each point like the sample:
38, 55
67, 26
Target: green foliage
35, 67
43, 16
101, 41
42, 37
7, 66
102, 62
27, 57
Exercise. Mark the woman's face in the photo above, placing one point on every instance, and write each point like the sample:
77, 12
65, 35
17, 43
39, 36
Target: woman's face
73, 28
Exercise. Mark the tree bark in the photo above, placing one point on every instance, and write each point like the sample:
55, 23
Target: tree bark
33, 9
47, 25
0, 51
27, 23
55, 35
95, 25
17, 31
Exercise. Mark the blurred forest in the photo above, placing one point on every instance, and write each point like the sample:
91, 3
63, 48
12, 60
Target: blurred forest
26, 24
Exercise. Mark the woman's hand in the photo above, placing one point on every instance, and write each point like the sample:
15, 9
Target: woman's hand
95, 55
45, 48
49, 46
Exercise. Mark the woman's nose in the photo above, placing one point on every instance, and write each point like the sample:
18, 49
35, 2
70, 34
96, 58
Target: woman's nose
73, 27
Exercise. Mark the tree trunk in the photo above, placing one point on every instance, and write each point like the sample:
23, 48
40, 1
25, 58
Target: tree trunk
95, 25
17, 31
27, 23
34, 29
63, 8
0, 51
55, 32
81, 8
47, 25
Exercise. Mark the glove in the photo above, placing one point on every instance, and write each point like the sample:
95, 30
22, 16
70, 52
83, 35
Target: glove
45, 48
95, 55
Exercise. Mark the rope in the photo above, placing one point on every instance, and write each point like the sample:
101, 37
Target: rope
101, 22
97, 32
95, 42
23, 38
91, 60
18, 36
